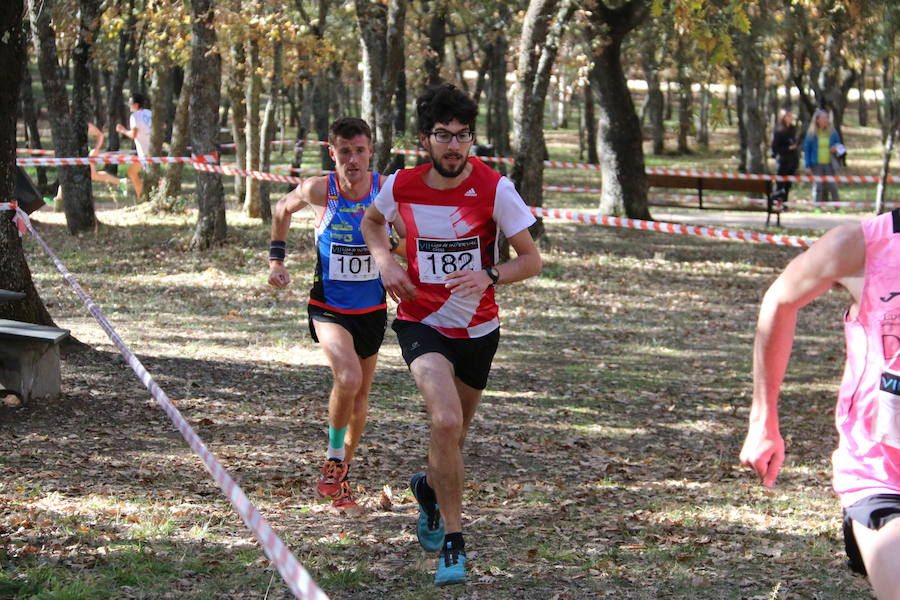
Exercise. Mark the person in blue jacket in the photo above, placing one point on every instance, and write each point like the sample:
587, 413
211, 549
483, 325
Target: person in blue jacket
820, 149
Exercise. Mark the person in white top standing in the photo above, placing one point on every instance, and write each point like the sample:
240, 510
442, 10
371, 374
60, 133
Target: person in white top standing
139, 126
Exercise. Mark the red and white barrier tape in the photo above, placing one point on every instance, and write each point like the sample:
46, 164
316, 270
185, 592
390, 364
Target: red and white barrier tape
758, 176
17, 218
295, 576
35, 151
711, 232
114, 159
236, 172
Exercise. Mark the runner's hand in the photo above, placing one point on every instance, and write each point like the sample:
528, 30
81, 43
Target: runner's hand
467, 282
397, 282
278, 275
763, 451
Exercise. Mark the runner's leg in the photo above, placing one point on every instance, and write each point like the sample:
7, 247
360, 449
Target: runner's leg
348, 372
881, 554
357, 423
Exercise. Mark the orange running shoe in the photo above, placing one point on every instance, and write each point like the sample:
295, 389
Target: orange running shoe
345, 502
334, 474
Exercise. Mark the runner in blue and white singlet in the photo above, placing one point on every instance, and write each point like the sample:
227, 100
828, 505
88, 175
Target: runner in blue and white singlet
346, 279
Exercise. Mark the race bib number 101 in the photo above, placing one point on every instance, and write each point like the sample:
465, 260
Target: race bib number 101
351, 263
438, 258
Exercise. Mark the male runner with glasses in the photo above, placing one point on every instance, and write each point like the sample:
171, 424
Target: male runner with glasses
447, 321
347, 309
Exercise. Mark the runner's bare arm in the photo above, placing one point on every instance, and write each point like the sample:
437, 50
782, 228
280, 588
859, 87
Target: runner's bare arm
393, 276
311, 192
837, 258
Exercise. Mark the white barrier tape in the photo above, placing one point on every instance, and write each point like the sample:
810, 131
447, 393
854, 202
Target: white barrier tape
35, 151
295, 576
712, 232
758, 176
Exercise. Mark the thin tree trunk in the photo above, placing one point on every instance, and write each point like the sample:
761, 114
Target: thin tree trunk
235, 90
437, 38
30, 113
590, 123
268, 132
159, 92
115, 103
685, 96
171, 186
254, 83
862, 106
703, 130
206, 66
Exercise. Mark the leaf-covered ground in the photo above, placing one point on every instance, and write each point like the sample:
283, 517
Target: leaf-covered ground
602, 462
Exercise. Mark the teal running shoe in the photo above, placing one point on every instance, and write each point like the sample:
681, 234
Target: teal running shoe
429, 526
451, 566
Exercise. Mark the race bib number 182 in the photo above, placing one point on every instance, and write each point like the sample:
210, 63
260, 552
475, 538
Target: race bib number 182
438, 258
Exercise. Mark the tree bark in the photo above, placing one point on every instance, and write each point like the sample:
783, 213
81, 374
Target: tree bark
590, 123
115, 103
621, 152
159, 92
206, 67
542, 31
381, 26
30, 113
862, 106
685, 95
751, 78
254, 83
68, 127
654, 106
171, 186
703, 129
268, 132
495, 52
234, 87
437, 39
14, 272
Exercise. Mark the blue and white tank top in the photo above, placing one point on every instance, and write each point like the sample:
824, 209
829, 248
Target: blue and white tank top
346, 280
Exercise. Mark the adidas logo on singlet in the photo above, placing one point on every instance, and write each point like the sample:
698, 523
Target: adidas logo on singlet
470, 193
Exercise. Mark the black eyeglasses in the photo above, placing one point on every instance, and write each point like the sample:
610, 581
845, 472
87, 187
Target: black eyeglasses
443, 136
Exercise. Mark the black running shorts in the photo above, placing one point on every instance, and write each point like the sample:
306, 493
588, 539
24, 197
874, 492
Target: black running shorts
471, 357
367, 329
872, 511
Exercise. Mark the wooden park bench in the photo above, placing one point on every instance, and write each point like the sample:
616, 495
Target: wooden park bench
762, 187
29, 356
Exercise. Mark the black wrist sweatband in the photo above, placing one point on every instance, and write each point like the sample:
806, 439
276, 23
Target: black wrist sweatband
277, 250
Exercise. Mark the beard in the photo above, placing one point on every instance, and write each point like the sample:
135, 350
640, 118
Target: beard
444, 171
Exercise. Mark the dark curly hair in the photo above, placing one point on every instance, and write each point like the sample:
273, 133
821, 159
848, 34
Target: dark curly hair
442, 104
347, 128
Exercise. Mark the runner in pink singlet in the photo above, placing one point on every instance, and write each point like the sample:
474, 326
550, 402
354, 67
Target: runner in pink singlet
865, 260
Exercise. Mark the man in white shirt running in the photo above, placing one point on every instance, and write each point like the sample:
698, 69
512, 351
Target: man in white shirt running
139, 127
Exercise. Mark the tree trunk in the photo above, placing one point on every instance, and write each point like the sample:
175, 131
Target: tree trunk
159, 92
655, 104
834, 82
703, 130
685, 96
14, 272
30, 113
497, 99
590, 123
862, 106
206, 67
268, 132
234, 87
68, 128
437, 38
621, 152
381, 26
321, 104
115, 103
751, 78
171, 186
542, 31
254, 83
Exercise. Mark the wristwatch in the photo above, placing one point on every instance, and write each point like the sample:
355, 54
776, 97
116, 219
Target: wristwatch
494, 274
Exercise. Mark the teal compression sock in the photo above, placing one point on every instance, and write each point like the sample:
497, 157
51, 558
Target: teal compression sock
336, 442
